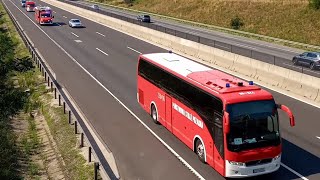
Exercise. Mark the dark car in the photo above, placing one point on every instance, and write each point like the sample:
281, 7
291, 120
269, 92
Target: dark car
144, 18
312, 59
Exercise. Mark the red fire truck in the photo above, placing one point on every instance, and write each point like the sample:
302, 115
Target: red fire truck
30, 5
43, 15
232, 125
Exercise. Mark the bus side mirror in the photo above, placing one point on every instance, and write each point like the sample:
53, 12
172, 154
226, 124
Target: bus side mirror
226, 123
289, 113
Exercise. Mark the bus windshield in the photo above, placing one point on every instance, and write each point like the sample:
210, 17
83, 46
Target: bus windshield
253, 124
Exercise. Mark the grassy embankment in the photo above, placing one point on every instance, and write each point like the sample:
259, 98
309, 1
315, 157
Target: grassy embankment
23, 92
286, 19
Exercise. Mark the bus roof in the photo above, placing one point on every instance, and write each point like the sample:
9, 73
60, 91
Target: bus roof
211, 80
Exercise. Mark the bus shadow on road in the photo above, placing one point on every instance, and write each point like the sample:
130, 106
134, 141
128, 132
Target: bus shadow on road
300, 160
59, 24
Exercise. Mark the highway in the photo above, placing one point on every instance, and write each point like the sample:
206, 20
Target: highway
223, 40
111, 57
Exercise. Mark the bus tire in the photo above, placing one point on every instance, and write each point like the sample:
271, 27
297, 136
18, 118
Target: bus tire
200, 151
154, 114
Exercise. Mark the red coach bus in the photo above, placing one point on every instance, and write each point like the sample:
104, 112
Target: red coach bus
230, 124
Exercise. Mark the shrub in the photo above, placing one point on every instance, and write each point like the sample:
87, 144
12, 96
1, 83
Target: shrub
315, 4
236, 23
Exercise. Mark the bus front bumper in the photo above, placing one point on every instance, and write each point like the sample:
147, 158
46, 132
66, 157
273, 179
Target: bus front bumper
235, 171
44, 23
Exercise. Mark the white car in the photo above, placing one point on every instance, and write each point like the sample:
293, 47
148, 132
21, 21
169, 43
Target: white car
95, 7
75, 23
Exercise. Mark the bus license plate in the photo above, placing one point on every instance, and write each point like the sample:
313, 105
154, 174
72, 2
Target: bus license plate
258, 170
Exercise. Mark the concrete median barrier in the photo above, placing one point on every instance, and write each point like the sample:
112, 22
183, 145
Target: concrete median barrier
298, 83
243, 65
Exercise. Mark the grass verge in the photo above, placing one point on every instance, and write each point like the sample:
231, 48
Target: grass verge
75, 166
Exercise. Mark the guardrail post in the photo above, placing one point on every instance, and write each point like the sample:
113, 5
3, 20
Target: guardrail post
59, 100
45, 76
96, 168
40, 67
64, 107
69, 119
81, 140
89, 154
34, 58
55, 93
51, 85
48, 81
75, 127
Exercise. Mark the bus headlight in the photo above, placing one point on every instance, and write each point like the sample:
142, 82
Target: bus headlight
237, 163
277, 157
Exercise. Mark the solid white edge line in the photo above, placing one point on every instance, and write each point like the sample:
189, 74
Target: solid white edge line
311, 71
102, 52
101, 34
294, 172
318, 137
133, 50
64, 16
134, 115
74, 34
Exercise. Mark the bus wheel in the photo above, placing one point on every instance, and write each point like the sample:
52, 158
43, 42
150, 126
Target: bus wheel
154, 114
200, 151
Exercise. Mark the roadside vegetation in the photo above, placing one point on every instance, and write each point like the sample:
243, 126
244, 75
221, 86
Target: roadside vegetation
295, 20
27, 148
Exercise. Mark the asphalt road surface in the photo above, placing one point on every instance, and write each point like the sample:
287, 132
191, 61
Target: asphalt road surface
111, 57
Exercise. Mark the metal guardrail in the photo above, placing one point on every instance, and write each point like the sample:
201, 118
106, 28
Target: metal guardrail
254, 54
101, 165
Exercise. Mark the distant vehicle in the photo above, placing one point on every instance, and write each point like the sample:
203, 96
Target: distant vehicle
312, 59
75, 23
144, 18
30, 5
95, 7
43, 15
23, 3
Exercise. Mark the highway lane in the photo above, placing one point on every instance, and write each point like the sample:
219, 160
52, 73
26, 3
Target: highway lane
286, 123
138, 154
312, 112
260, 46
128, 92
281, 51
